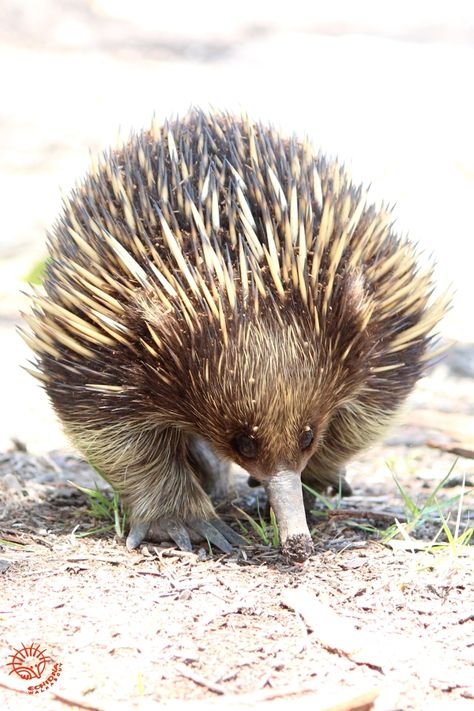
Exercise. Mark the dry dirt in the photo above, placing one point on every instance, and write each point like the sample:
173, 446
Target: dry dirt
131, 630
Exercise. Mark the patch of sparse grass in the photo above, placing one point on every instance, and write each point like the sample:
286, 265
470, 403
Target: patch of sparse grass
400, 534
11, 544
329, 505
333, 505
266, 531
456, 545
456, 540
274, 529
416, 514
103, 507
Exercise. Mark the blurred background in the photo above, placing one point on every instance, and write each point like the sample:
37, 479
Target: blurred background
385, 86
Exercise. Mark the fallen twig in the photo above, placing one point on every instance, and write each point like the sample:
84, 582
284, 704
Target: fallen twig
461, 449
370, 515
75, 703
198, 679
14, 689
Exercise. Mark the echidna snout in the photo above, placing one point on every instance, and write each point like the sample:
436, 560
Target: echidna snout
212, 281
286, 499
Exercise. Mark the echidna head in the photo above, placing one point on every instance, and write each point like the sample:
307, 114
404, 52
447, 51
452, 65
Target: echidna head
258, 400
264, 400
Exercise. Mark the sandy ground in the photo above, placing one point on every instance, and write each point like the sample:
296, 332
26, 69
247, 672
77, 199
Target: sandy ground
389, 93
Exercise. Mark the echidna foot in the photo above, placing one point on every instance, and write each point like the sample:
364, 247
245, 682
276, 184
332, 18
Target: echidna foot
184, 534
335, 485
137, 535
342, 487
232, 536
217, 533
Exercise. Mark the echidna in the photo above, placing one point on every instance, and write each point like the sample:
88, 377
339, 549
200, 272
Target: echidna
217, 292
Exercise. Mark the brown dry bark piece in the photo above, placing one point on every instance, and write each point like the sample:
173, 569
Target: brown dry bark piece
461, 449
369, 515
362, 702
334, 632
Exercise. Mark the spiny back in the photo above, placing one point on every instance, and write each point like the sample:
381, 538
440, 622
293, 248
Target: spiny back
212, 218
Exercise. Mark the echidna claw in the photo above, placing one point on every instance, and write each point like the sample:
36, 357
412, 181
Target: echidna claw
179, 535
168, 529
184, 533
137, 534
209, 531
232, 536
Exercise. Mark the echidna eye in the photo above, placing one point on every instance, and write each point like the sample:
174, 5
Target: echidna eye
245, 445
306, 438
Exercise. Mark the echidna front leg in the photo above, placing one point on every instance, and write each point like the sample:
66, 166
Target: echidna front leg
212, 471
152, 471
